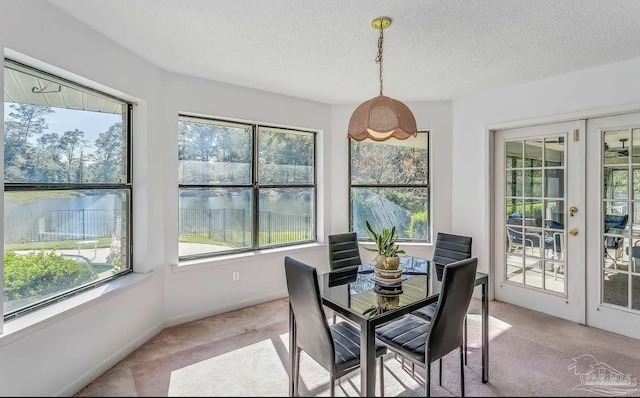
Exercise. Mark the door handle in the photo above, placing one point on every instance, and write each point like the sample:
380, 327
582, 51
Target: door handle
573, 232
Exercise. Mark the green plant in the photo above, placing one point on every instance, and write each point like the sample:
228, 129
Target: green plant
385, 241
41, 273
418, 225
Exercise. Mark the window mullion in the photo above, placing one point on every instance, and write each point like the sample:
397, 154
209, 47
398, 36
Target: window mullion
255, 172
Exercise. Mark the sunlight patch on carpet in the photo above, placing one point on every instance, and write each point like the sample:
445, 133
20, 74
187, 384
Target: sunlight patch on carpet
257, 366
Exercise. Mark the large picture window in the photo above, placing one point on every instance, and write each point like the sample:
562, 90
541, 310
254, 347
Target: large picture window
243, 187
389, 186
67, 191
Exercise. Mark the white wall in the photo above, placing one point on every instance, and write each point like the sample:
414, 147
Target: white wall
61, 355
593, 89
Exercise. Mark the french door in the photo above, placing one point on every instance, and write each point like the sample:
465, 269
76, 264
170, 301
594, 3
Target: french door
613, 219
540, 218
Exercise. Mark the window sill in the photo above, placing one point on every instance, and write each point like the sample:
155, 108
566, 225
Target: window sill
242, 257
23, 326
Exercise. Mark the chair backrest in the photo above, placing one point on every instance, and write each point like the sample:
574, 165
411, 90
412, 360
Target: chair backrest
313, 334
450, 248
343, 250
447, 323
614, 224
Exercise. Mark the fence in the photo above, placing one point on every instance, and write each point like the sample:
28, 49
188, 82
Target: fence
231, 226
54, 225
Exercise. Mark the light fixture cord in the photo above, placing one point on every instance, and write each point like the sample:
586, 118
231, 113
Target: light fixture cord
379, 57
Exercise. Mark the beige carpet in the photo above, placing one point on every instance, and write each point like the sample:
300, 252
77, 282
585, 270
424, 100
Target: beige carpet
245, 353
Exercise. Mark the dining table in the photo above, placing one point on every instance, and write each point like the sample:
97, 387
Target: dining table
351, 291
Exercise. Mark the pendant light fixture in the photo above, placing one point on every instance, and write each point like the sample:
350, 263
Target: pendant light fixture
381, 117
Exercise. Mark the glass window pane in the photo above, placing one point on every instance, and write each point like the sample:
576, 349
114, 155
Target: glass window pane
533, 153
636, 183
554, 214
214, 220
391, 162
285, 156
62, 134
554, 276
286, 215
404, 208
554, 152
213, 152
615, 288
635, 298
533, 183
616, 217
554, 183
514, 154
515, 211
515, 268
50, 144
56, 241
615, 147
514, 182
635, 134
635, 227
616, 182
533, 273
533, 213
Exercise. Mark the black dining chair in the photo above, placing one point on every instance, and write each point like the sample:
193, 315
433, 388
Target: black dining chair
336, 347
343, 252
423, 342
448, 248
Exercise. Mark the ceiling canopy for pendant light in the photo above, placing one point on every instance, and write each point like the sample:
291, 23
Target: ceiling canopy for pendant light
381, 117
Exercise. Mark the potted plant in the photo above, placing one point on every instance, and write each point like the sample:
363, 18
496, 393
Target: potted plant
386, 247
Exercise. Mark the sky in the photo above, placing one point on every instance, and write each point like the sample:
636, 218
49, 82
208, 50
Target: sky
92, 123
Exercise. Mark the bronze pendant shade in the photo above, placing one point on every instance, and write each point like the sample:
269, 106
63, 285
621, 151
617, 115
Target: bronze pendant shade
382, 117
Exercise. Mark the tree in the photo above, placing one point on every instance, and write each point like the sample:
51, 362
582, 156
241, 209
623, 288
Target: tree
107, 158
68, 144
19, 154
27, 120
48, 162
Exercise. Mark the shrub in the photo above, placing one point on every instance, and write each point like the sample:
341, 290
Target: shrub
42, 273
418, 225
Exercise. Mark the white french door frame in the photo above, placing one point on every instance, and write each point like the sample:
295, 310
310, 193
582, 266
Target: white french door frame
490, 180
570, 303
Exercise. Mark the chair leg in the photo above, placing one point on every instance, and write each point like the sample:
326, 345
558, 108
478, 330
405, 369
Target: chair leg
427, 379
381, 375
296, 374
332, 386
461, 373
465, 339
440, 373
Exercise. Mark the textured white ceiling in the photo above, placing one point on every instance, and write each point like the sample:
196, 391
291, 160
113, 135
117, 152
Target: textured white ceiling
325, 50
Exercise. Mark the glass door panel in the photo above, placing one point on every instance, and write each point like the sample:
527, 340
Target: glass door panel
613, 248
534, 214
536, 181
